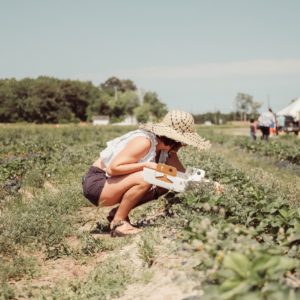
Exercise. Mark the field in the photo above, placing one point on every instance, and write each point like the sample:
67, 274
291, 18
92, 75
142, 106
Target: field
241, 244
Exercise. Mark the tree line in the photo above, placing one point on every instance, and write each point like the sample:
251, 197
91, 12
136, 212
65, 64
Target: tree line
52, 100
245, 108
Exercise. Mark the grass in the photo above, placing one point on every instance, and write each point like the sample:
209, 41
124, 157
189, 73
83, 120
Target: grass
18, 267
107, 281
44, 221
264, 170
147, 250
41, 199
42, 209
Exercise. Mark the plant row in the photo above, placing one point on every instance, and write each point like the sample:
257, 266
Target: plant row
281, 150
247, 238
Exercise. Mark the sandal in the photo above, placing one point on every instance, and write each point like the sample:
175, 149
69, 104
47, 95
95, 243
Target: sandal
130, 230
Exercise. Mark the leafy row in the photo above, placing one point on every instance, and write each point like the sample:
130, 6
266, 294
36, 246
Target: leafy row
247, 237
279, 149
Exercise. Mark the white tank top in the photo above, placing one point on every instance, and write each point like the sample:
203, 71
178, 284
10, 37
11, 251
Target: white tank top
118, 144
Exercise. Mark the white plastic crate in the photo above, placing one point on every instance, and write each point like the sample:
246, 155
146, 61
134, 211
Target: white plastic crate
168, 177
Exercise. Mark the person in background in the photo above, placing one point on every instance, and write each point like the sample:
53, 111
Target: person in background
116, 177
265, 121
253, 129
273, 126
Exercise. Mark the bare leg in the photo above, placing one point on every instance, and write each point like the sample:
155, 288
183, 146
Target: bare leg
126, 190
131, 191
130, 199
153, 194
116, 187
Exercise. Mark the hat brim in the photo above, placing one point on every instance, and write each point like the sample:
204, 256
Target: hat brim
189, 138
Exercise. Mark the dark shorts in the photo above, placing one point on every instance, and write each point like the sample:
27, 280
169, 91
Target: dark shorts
265, 130
93, 183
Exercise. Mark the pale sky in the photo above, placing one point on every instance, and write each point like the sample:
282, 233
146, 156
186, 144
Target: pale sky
197, 55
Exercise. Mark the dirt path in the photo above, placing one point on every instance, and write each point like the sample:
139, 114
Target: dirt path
169, 276
172, 275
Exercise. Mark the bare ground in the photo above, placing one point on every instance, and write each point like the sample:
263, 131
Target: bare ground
171, 275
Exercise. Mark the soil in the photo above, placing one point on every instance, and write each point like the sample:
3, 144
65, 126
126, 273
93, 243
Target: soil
170, 275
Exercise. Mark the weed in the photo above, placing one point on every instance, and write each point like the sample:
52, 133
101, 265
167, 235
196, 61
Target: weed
57, 250
251, 217
147, 250
107, 281
6, 291
93, 245
34, 178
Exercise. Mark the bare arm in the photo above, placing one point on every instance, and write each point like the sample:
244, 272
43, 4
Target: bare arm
126, 161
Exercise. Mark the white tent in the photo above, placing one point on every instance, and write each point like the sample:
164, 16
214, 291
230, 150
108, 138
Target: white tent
293, 109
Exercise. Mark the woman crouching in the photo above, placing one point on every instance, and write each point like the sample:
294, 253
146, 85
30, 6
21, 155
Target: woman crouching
116, 177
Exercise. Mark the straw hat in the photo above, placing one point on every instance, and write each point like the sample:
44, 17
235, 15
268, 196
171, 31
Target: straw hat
179, 126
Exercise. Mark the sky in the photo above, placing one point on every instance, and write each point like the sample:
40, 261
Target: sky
195, 54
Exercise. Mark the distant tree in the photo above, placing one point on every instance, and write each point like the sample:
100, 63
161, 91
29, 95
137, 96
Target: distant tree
246, 106
77, 95
118, 107
8, 102
117, 98
128, 85
36, 109
157, 108
243, 104
214, 117
114, 84
44, 101
254, 108
23, 89
50, 100
100, 105
142, 113
130, 101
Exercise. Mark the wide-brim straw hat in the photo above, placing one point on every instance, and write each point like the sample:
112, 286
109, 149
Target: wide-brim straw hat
179, 126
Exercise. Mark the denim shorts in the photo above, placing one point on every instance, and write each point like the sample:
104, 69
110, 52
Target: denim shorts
93, 183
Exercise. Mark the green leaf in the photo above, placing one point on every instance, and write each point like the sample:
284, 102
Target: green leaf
262, 263
272, 287
284, 213
250, 296
230, 284
238, 263
241, 289
278, 295
283, 264
211, 292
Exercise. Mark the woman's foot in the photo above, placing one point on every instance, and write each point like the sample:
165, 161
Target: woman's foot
122, 228
112, 213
